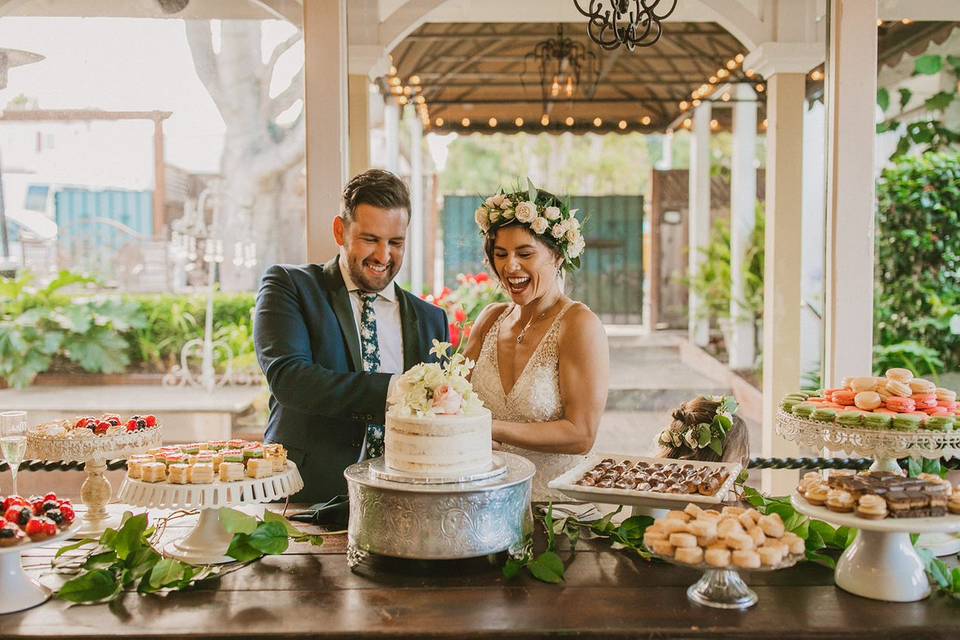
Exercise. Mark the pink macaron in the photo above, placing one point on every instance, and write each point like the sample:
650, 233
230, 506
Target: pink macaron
900, 404
843, 397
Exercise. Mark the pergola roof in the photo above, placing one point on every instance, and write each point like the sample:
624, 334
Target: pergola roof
479, 71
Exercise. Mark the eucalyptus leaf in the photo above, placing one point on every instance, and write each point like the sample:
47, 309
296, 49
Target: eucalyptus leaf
905, 95
236, 521
703, 435
547, 567
94, 586
531, 191
939, 101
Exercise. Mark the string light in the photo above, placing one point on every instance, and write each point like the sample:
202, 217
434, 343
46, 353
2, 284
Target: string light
684, 105
696, 103
622, 124
395, 81
738, 58
597, 122
763, 124
569, 121
414, 79
465, 122
645, 120
438, 122
907, 21
816, 75
760, 87
879, 22
403, 100
518, 122
749, 73
714, 124
545, 120
492, 122
393, 70
731, 64
713, 79
725, 97
687, 123
420, 100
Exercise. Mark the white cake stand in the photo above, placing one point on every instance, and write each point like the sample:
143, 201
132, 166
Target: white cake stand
881, 563
208, 541
885, 447
18, 591
93, 451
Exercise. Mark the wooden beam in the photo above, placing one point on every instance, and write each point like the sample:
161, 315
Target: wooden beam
159, 182
65, 115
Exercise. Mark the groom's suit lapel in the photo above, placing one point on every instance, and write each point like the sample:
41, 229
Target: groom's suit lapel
340, 300
409, 329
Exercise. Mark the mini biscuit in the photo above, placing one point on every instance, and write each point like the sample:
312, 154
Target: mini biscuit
739, 541
689, 555
683, 540
703, 528
692, 510
710, 514
772, 525
746, 559
649, 538
732, 511
770, 556
728, 527
758, 536
717, 557
706, 541
663, 549
679, 515
674, 525
795, 544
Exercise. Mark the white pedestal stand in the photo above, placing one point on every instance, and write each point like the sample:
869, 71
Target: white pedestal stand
881, 563
208, 541
885, 447
18, 591
93, 451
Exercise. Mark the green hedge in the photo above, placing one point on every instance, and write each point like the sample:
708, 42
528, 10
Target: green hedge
918, 263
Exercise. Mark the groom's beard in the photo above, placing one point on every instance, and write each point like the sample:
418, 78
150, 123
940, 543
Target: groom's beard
365, 275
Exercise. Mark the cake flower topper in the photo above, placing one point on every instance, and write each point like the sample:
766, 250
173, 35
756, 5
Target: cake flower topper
547, 217
438, 388
703, 435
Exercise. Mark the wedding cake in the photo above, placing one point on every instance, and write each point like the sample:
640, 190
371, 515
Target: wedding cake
436, 425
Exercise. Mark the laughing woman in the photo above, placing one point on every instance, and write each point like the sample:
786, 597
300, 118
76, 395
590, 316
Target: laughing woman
542, 361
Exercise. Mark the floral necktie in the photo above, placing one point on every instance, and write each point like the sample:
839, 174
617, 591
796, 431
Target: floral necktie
370, 350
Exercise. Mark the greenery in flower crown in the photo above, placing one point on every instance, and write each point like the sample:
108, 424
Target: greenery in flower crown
436, 388
703, 435
541, 212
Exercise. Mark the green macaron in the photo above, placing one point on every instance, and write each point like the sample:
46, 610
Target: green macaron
804, 409
877, 420
824, 415
939, 423
907, 422
850, 418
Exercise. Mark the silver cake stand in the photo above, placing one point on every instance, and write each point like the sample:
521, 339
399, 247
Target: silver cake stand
400, 516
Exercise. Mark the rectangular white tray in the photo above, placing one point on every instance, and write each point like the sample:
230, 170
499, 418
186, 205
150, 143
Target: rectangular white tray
567, 484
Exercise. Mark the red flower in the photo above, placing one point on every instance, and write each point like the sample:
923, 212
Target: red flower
460, 315
455, 335
481, 277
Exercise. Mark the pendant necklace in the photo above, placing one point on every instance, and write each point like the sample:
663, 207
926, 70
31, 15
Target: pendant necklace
523, 331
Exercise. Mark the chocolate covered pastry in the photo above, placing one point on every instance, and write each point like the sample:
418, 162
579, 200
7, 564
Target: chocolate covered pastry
666, 477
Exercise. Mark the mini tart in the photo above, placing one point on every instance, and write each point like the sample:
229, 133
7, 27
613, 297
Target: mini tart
231, 471
202, 473
178, 473
872, 507
259, 468
817, 494
840, 501
153, 472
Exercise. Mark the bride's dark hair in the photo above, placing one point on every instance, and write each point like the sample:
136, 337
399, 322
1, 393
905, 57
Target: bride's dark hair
490, 237
736, 446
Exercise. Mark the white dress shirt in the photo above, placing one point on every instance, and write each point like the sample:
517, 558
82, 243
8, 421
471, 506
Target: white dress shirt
387, 309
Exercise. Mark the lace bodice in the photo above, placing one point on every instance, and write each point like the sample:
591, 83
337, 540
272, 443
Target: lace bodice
535, 397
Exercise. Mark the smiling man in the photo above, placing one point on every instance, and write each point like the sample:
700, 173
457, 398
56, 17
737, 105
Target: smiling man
330, 337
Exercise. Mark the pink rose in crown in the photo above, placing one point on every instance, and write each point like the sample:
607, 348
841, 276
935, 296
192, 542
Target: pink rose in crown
447, 401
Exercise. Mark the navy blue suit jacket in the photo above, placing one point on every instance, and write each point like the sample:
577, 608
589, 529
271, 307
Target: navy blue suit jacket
307, 345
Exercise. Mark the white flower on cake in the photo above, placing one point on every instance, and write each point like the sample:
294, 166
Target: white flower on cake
526, 212
439, 388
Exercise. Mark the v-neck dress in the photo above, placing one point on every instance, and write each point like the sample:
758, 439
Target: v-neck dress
535, 397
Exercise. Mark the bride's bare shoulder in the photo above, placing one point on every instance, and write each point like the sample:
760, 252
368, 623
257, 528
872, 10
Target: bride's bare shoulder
580, 321
489, 315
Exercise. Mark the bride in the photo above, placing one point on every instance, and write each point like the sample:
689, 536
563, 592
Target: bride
542, 364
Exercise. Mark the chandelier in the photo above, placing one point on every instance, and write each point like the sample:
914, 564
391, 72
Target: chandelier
564, 66
633, 23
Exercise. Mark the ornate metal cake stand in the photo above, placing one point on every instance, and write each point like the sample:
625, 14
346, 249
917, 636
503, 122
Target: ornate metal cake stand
881, 563
433, 521
208, 541
18, 591
93, 451
885, 447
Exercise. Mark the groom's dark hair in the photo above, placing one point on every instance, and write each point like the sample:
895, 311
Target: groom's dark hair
377, 188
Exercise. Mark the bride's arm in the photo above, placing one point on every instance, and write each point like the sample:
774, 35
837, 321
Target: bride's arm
584, 379
480, 327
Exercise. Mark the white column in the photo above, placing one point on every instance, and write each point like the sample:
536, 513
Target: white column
851, 91
699, 218
743, 202
666, 156
391, 129
415, 236
325, 110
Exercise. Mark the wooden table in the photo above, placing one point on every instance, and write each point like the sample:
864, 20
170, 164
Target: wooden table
310, 592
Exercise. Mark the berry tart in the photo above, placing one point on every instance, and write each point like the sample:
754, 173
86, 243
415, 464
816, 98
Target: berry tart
88, 437
33, 519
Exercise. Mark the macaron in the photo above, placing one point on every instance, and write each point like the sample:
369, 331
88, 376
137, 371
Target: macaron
946, 394
788, 403
922, 385
850, 418
828, 394
907, 422
862, 384
924, 400
844, 397
877, 420
902, 375
898, 388
867, 400
824, 415
900, 404
939, 423
804, 409
937, 411
886, 411
949, 405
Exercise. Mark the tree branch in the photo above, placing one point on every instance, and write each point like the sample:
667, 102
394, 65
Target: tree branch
200, 40
286, 98
283, 155
278, 51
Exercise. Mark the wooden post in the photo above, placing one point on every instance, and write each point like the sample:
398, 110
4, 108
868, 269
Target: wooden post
159, 181
359, 125
415, 233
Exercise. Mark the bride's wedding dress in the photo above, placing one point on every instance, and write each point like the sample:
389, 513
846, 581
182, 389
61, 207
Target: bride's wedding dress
535, 397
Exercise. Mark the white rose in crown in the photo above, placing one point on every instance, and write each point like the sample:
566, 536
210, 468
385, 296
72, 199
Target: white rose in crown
559, 230
539, 225
490, 203
573, 234
506, 203
494, 215
526, 212
482, 219
495, 201
552, 213
446, 401
508, 214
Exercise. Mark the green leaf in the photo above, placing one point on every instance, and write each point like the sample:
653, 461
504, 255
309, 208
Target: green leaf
241, 550
73, 547
633, 527
725, 422
512, 568
292, 531
531, 191
603, 526
821, 558
102, 560
703, 435
270, 538
547, 567
954, 61
94, 586
716, 445
130, 537
939, 101
905, 95
883, 98
237, 521
928, 65
99, 350
166, 572
914, 467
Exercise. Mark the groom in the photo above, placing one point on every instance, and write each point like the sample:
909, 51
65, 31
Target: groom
330, 337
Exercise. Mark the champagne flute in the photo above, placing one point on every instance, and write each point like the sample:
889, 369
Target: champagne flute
13, 441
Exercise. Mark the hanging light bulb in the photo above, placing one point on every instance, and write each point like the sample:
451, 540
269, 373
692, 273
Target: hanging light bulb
555, 87
545, 120
569, 89
518, 122
597, 122
569, 121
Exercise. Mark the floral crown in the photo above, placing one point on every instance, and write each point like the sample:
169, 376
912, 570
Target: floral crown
542, 213
702, 435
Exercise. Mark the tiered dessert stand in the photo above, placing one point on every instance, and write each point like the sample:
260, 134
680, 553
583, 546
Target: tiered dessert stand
208, 541
885, 447
881, 563
93, 451
400, 515
18, 591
